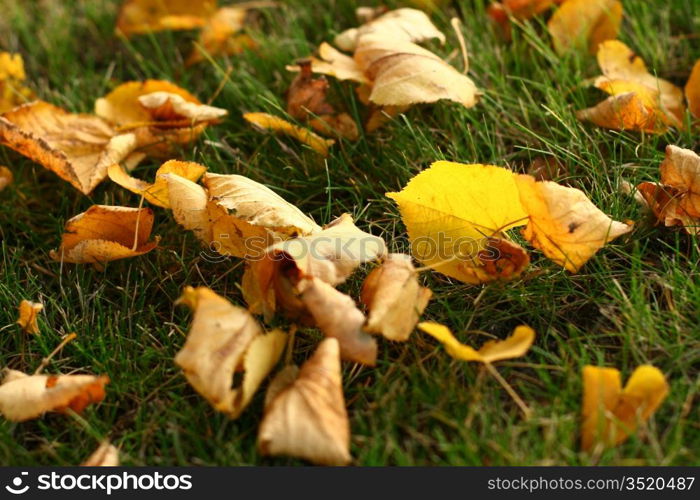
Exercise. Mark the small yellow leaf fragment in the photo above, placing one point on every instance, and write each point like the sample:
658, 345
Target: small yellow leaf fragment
584, 24
105, 233
266, 121
307, 418
514, 346
611, 414
6, 177
28, 313
12, 90
106, 455
692, 90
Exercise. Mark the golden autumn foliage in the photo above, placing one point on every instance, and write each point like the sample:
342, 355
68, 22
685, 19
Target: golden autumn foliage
28, 314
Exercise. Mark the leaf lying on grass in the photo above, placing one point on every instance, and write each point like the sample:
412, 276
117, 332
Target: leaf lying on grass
28, 315
106, 455
6, 177
24, 397
265, 121
146, 16
611, 414
584, 24
12, 76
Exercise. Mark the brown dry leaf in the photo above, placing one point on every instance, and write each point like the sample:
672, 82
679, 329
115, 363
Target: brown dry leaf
104, 233
6, 177
224, 339
584, 24
28, 315
692, 90
394, 298
106, 455
411, 25
564, 223
403, 73
676, 200
336, 315
514, 346
157, 192
629, 111
265, 121
624, 71
610, 413
77, 147
308, 419
24, 397
500, 259
12, 89
247, 217
146, 16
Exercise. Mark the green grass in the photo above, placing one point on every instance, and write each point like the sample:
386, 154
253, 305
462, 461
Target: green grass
637, 301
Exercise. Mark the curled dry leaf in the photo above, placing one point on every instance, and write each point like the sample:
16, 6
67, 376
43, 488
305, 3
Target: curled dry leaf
454, 212
514, 346
330, 255
146, 16
24, 397
265, 121
676, 200
336, 316
104, 233
394, 298
307, 419
106, 455
584, 24
610, 413
157, 192
401, 24
564, 223
224, 339
629, 111
12, 76
77, 147
692, 90
334, 63
28, 315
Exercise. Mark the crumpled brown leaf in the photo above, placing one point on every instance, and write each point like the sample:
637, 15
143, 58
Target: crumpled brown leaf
394, 298
307, 418
28, 314
24, 397
77, 147
104, 233
224, 339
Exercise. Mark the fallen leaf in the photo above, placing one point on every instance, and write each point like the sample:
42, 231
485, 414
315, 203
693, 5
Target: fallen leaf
146, 16
394, 298
104, 233
629, 111
12, 76
451, 210
521, 10
307, 419
157, 192
334, 63
585, 24
611, 414
401, 24
28, 315
266, 121
24, 397
514, 346
692, 90
564, 223
77, 147
6, 177
106, 455
336, 315
224, 339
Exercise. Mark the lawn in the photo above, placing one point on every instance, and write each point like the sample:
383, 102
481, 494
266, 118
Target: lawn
637, 301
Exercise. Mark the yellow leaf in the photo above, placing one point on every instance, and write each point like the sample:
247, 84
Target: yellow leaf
12, 90
189, 203
77, 147
6, 177
146, 16
401, 24
564, 223
266, 121
514, 346
451, 210
106, 455
692, 90
24, 397
105, 233
224, 339
611, 414
584, 24
307, 418
394, 298
336, 64
157, 192
629, 111
28, 314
